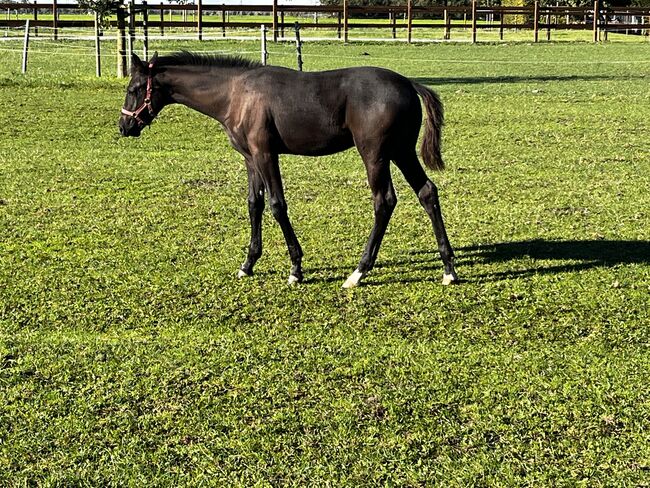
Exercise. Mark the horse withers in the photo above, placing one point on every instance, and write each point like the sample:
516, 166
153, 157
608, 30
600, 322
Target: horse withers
268, 110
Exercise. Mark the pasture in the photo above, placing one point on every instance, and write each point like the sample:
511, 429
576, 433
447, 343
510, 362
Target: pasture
131, 355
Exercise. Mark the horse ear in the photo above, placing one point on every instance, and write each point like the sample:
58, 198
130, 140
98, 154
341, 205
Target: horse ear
136, 64
153, 59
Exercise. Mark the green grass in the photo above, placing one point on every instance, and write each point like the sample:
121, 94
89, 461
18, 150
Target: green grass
131, 355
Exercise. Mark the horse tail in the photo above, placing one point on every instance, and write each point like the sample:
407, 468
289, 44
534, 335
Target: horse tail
430, 149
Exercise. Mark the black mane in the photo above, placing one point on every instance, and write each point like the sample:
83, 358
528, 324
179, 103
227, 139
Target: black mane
186, 58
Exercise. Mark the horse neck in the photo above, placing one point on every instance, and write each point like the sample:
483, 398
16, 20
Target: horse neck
204, 90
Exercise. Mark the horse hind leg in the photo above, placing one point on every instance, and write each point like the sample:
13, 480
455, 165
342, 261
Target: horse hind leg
428, 195
384, 200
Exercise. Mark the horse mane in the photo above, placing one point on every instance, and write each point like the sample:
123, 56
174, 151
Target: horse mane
186, 58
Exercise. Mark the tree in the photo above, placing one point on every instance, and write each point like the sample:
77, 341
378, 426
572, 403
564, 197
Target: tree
102, 8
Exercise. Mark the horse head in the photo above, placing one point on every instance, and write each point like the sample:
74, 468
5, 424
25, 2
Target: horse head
144, 98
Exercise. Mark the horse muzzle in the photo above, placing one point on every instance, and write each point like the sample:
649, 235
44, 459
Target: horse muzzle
129, 127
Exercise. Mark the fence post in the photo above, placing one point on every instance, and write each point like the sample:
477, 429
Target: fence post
145, 30
275, 20
265, 53
548, 27
409, 22
501, 22
25, 47
473, 21
447, 20
98, 56
162, 20
131, 40
296, 26
536, 21
55, 20
596, 11
345, 21
338, 25
393, 22
223, 20
35, 19
121, 42
199, 18
282, 25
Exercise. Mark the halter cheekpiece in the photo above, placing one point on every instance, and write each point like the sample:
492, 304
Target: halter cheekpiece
146, 103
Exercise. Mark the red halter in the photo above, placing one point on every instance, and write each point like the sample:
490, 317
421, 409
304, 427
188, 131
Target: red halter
146, 103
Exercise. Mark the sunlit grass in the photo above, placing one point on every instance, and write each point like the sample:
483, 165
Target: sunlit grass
131, 355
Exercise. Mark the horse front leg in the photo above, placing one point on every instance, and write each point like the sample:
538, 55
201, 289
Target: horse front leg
267, 165
255, 212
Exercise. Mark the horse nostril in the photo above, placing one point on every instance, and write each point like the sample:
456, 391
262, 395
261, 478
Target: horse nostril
124, 127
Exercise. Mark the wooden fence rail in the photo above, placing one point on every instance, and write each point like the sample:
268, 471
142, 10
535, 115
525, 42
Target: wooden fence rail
536, 18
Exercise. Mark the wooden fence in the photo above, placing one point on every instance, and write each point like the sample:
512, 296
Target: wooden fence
475, 17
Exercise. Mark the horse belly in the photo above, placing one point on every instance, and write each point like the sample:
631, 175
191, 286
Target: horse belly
317, 146
312, 134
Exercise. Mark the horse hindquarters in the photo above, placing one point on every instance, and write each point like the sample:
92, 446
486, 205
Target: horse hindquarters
396, 139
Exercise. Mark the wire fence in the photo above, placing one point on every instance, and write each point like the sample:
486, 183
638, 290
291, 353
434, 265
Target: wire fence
99, 48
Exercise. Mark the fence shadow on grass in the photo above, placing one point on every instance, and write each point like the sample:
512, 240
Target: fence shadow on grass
519, 79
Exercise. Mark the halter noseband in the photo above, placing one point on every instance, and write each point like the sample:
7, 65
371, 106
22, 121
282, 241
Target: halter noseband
146, 103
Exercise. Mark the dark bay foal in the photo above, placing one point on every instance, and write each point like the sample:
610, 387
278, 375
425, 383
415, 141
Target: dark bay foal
267, 111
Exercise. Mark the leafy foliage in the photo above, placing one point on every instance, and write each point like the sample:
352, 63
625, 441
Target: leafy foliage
102, 7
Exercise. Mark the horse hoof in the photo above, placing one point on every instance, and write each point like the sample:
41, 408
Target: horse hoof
354, 279
293, 279
448, 279
242, 274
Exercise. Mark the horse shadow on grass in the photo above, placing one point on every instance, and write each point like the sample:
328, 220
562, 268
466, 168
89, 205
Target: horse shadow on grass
544, 257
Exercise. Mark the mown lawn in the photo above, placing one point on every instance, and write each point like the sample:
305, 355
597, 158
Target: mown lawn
131, 355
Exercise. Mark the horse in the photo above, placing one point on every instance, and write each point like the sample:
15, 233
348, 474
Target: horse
269, 110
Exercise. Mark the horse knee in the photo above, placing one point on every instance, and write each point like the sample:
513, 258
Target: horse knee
428, 195
391, 200
386, 202
255, 204
278, 207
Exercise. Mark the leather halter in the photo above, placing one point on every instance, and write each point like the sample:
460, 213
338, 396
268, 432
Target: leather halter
146, 103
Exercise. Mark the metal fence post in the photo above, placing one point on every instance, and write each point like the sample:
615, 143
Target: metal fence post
473, 21
296, 26
199, 17
25, 47
145, 30
265, 53
98, 57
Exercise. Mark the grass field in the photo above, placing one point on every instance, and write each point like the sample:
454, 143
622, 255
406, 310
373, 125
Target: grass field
130, 355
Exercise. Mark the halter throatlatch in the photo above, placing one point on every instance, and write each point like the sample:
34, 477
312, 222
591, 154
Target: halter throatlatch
146, 103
